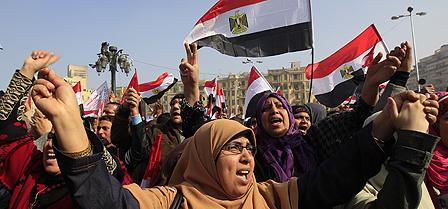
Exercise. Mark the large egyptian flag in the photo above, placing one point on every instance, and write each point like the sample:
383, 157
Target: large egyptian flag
337, 76
154, 90
255, 28
256, 87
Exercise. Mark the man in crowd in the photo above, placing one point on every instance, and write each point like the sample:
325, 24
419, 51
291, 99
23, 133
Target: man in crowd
103, 132
110, 108
135, 146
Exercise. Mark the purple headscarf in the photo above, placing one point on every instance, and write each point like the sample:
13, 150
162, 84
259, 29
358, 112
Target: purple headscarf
280, 152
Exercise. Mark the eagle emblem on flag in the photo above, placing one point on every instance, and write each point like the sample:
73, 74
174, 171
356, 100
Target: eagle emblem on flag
155, 91
346, 71
238, 23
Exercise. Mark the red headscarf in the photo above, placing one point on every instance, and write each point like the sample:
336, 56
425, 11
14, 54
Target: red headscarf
437, 174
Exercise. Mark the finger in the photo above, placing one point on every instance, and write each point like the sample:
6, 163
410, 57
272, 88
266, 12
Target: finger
188, 50
132, 91
431, 104
433, 97
394, 60
188, 67
55, 79
53, 58
194, 49
40, 91
377, 59
431, 119
43, 73
392, 105
408, 51
431, 111
396, 50
45, 83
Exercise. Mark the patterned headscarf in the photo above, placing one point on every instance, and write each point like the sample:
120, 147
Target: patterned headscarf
280, 152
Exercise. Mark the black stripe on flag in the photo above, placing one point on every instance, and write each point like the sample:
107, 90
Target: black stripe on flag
342, 90
264, 43
156, 97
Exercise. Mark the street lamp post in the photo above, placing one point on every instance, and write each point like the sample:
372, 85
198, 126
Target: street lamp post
410, 9
112, 56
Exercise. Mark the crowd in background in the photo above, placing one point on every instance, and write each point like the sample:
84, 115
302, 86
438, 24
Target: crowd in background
385, 151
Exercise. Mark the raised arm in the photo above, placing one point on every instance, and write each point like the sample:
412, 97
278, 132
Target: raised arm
12, 104
397, 82
329, 134
79, 158
340, 177
193, 111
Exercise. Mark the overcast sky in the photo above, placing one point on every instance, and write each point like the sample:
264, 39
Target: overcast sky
152, 33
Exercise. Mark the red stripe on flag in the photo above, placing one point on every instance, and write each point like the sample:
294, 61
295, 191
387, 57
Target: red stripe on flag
224, 6
210, 84
77, 87
254, 75
153, 84
364, 41
132, 83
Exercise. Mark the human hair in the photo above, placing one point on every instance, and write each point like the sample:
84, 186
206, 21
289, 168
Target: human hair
109, 118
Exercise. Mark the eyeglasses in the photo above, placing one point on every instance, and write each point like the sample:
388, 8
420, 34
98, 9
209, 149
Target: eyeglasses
237, 148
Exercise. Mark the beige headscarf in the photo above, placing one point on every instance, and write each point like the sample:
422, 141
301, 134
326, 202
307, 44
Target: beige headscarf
196, 176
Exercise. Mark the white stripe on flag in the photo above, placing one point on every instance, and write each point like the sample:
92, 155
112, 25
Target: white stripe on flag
326, 84
262, 16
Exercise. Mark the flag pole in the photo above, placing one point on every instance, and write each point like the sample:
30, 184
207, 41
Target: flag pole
312, 73
312, 53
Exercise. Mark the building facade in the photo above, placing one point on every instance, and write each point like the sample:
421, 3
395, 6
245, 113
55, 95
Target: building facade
434, 69
77, 73
292, 82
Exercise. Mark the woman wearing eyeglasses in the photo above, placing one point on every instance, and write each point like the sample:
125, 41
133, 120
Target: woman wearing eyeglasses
217, 165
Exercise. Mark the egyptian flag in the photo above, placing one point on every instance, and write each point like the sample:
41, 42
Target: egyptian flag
133, 83
255, 28
336, 77
216, 100
220, 99
210, 91
79, 100
154, 90
256, 87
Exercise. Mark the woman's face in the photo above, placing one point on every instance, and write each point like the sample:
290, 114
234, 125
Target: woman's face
50, 163
274, 118
235, 169
443, 128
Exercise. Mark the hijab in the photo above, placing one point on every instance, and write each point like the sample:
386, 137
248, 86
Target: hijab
196, 176
438, 168
282, 152
318, 112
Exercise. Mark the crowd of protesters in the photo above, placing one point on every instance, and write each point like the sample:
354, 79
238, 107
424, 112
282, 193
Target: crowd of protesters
386, 151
